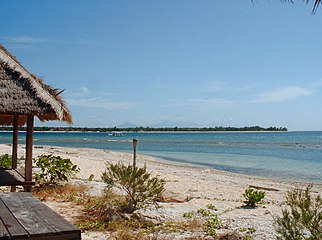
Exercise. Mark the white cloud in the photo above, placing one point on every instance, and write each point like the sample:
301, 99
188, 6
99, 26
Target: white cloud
84, 97
205, 103
23, 39
213, 102
219, 86
215, 86
85, 92
100, 103
28, 40
281, 95
84, 89
317, 84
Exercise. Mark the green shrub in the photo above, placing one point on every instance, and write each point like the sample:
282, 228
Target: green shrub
54, 169
212, 207
210, 220
205, 212
303, 217
212, 225
253, 197
137, 183
5, 161
189, 215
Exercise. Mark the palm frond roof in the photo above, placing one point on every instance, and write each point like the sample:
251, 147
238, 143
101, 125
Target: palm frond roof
26, 94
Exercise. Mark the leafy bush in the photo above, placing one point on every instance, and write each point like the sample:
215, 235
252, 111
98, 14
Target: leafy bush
212, 224
205, 212
138, 184
189, 215
303, 219
253, 197
212, 207
54, 169
5, 161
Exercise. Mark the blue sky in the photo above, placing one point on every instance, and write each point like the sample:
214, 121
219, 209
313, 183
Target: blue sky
174, 63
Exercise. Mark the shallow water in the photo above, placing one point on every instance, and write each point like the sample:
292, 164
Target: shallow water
284, 155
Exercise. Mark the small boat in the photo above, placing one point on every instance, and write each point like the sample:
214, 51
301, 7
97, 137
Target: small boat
116, 134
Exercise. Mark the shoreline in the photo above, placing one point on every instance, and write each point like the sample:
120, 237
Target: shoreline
188, 188
37, 149
236, 174
295, 158
74, 131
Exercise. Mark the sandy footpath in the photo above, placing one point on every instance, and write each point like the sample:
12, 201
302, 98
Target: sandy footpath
201, 186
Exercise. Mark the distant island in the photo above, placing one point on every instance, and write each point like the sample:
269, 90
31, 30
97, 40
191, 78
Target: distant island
153, 129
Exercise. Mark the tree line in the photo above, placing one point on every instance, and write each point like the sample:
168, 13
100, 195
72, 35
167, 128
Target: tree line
150, 129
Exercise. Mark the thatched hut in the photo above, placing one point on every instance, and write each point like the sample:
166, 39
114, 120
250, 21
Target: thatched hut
23, 96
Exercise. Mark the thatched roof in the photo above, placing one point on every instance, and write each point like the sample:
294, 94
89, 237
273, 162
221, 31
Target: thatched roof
23, 93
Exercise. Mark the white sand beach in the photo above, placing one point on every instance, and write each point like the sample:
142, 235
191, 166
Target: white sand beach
201, 186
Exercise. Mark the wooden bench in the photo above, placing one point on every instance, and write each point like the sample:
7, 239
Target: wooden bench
13, 177
23, 216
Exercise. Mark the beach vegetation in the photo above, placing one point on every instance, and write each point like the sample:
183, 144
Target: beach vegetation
253, 197
53, 169
103, 213
212, 225
248, 232
189, 215
209, 220
126, 233
91, 177
302, 219
5, 161
66, 192
247, 237
169, 227
99, 212
138, 184
205, 212
212, 207
252, 229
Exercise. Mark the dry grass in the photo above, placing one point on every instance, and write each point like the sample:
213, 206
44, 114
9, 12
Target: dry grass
66, 192
194, 225
104, 213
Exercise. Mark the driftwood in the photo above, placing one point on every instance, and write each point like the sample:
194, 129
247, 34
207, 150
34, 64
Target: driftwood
264, 188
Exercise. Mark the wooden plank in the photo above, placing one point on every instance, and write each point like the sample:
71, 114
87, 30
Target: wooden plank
38, 219
57, 236
3, 230
11, 224
9, 177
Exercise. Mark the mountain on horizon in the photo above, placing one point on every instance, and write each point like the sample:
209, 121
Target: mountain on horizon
162, 124
171, 124
127, 125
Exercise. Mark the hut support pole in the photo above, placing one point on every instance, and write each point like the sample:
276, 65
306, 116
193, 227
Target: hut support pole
29, 143
15, 146
15, 142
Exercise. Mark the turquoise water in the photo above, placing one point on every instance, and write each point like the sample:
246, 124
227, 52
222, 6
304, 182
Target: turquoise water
284, 155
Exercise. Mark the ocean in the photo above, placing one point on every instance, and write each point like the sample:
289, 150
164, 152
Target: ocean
280, 155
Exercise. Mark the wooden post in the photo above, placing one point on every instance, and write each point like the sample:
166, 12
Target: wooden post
15, 141
15, 146
29, 143
135, 144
